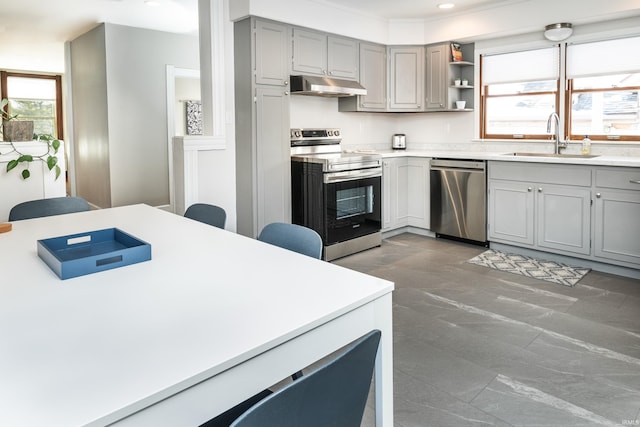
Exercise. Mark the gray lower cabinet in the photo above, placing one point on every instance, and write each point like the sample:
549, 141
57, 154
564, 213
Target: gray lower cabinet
581, 211
563, 218
418, 192
395, 175
617, 214
273, 158
542, 214
405, 193
263, 183
510, 215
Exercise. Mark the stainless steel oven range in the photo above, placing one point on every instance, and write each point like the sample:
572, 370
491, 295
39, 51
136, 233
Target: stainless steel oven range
335, 193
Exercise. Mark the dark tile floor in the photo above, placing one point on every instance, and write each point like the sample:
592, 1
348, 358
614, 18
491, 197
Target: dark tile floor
475, 346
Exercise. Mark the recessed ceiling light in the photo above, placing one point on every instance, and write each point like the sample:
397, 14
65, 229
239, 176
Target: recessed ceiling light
446, 5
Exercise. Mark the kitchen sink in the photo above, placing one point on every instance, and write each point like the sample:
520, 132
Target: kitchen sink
560, 156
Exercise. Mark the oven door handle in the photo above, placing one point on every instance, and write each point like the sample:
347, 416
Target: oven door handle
352, 175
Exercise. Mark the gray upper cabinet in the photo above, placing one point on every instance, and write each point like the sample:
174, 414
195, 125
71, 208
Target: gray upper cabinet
342, 58
373, 76
406, 78
271, 53
319, 54
442, 73
309, 52
436, 78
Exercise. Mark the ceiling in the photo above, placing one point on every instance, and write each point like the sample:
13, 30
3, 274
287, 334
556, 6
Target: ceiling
37, 28
71, 18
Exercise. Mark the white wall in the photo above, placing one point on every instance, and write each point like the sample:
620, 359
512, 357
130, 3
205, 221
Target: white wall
120, 112
506, 18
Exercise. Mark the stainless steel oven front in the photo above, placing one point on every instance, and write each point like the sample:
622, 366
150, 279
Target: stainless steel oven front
339, 196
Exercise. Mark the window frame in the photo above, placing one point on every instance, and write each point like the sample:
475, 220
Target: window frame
483, 124
570, 91
59, 122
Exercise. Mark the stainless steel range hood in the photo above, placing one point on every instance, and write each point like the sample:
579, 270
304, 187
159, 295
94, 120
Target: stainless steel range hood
325, 86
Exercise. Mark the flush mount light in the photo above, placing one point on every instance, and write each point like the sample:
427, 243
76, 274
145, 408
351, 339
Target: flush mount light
558, 32
446, 5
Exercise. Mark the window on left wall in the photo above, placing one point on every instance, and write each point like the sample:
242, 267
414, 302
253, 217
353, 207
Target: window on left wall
36, 97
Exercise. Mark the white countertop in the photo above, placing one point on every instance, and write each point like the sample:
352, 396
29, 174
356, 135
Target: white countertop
92, 349
483, 155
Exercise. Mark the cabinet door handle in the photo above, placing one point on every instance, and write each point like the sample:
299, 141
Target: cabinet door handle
529, 189
598, 195
286, 83
634, 181
286, 92
539, 189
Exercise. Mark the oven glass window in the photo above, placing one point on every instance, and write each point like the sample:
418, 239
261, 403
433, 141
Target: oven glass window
354, 201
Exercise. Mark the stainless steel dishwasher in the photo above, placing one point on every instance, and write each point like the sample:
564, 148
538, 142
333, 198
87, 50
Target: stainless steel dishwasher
459, 199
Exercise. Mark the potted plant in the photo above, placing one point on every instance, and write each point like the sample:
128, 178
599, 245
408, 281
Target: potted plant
12, 129
50, 157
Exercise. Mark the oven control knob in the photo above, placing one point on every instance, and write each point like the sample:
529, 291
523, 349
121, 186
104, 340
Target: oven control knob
329, 132
336, 132
296, 133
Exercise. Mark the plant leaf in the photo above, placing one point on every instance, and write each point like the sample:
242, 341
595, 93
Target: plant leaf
51, 162
25, 158
26, 174
58, 172
55, 144
11, 164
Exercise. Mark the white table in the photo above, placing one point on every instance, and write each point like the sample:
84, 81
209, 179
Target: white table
213, 318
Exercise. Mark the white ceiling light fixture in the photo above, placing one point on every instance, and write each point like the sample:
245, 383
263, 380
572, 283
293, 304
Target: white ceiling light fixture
558, 32
446, 6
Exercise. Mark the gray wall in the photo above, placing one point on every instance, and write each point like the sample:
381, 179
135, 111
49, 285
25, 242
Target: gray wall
91, 133
130, 81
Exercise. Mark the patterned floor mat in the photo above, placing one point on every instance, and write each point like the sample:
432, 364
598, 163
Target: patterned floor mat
549, 271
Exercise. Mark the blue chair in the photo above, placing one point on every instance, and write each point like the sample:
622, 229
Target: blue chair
209, 214
333, 395
47, 207
293, 237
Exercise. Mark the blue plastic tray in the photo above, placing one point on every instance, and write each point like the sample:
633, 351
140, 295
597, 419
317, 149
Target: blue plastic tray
85, 253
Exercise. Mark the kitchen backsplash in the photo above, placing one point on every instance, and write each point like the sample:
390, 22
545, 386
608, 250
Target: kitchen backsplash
424, 131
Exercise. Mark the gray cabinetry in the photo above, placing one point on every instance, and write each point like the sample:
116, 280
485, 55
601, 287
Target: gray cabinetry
441, 91
544, 207
510, 212
271, 53
394, 193
405, 193
373, 76
318, 54
436, 77
262, 126
418, 192
563, 218
406, 78
617, 215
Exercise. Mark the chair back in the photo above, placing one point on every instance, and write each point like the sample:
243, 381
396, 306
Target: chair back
209, 214
47, 207
334, 395
293, 237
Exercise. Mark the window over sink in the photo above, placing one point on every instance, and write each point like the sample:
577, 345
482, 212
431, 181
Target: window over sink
598, 91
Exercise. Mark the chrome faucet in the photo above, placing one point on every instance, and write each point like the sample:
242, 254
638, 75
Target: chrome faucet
553, 117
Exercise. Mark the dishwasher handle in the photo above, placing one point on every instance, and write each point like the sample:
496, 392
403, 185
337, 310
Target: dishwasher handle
470, 165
